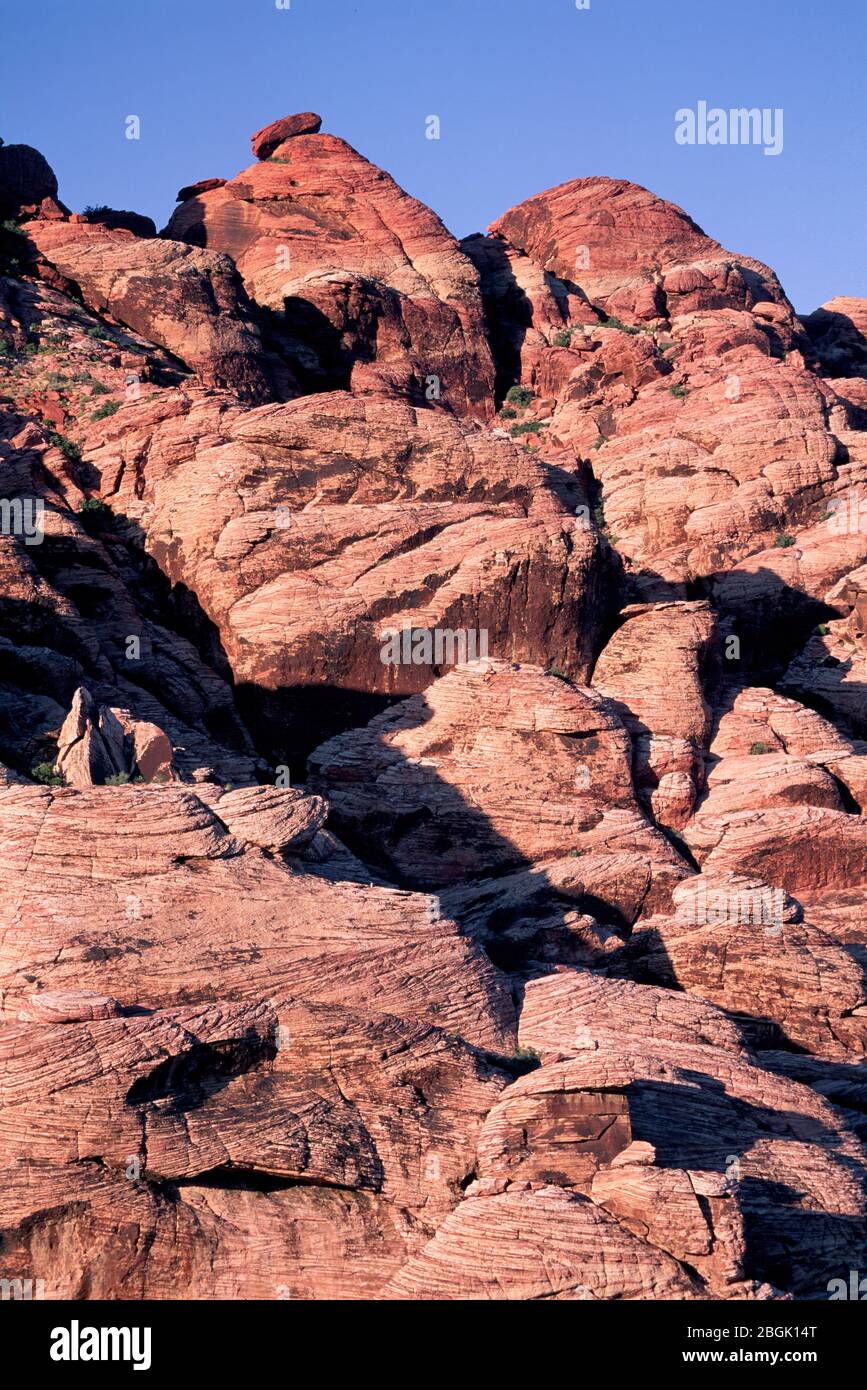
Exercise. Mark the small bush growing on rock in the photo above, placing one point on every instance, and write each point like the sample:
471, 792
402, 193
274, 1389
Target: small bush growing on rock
563, 338
44, 773
679, 390
507, 413
599, 441
12, 247
67, 446
118, 779
529, 427
783, 541
95, 515
613, 322
99, 333
98, 389
823, 629
759, 748
519, 395
106, 409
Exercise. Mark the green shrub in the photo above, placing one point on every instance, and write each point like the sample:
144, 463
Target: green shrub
525, 1054
107, 408
599, 441
783, 541
760, 748
92, 504
118, 779
823, 629
98, 389
529, 427
70, 449
563, 338
679, 390
519, 395
13, 244
44, 772
507, 413
99, 333
613, 322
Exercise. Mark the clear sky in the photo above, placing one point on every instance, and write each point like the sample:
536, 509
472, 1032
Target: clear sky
529, 93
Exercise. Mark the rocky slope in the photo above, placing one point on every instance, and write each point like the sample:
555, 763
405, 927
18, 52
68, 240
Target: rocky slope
432, 761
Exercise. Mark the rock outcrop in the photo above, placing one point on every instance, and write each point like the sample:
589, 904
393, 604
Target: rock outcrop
189, 301
432, 749
364, 285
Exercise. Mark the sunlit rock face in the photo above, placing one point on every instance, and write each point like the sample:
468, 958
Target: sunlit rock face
432, 761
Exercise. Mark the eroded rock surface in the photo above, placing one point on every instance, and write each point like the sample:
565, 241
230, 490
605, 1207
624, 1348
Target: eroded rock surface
432, 762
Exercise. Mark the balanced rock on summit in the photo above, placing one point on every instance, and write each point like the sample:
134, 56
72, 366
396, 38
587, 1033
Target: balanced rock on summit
362, 284
270, 137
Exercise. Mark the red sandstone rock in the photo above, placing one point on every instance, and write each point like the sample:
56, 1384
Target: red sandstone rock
237, 1059
147, 897
366, 284
652, 671
133, 222
293, 523
189, 301
266, 140
26, 178
369, 1115
628, 249
97, 744
492, 765
839, 333
192, 190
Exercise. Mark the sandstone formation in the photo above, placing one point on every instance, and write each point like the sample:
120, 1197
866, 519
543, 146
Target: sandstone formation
363, 284
186, 300
310, 531
433, 748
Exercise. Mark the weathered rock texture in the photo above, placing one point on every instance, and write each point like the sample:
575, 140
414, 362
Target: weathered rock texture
432, 749
187, 300
366, 285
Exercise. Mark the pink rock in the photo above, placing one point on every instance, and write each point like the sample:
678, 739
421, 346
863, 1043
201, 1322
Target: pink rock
266, 140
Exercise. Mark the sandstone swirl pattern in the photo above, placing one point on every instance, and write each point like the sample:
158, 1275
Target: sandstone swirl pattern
534, 976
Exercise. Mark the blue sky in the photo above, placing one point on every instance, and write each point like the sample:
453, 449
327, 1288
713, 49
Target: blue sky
529, 93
